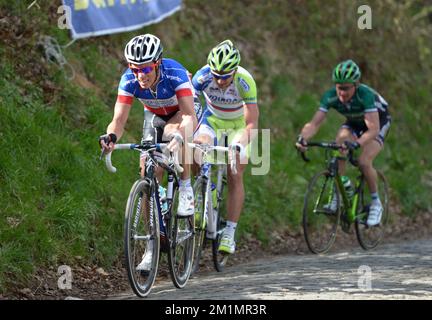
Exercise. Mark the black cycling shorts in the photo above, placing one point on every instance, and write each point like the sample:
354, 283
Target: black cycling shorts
154, 125
357, 129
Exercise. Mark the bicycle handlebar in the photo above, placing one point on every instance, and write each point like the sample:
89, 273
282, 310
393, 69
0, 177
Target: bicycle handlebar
147, 147
205, 148
329, 145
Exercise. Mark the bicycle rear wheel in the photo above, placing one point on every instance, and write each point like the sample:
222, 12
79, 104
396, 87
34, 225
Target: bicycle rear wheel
181, 244
200, 223
220, 259
320, 223
141, 235
370, 237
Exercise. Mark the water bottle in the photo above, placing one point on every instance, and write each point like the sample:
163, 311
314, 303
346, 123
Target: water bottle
348, 186
163, 199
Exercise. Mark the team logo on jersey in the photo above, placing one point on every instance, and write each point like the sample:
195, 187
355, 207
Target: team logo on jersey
175, 78
244, 84
130, 81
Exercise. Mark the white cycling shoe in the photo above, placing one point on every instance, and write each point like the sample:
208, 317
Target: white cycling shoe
227, 244
375, 213
146, 262
186, 205
333, 204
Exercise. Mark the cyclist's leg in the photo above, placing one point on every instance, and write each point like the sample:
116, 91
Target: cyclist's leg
346, 132
205, 134
153, 129
236, 193
186, 196
172, 126
152, 132
369, 152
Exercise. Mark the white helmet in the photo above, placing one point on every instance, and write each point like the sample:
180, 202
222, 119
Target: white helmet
143, 49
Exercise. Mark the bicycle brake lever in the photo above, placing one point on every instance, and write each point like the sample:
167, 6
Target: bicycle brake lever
303, 155
102, 154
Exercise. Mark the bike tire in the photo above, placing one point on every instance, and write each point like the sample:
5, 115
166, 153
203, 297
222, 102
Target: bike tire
200, 222
220, 259
370, 237
140, 205
181, 244
320, 224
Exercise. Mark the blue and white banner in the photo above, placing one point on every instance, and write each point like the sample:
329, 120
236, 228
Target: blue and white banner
98, 17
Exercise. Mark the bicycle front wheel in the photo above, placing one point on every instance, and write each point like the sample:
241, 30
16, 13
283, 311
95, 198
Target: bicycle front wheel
220, 259
141, 238
200, 223
370, 237
181, 245
320, 216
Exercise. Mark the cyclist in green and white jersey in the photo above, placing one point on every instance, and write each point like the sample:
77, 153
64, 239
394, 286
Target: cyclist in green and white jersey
367, 124
231, 99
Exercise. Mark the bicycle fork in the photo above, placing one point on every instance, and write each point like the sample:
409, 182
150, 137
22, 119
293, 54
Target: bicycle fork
208, 208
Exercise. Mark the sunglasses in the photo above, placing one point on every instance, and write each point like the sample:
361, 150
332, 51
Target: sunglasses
345, 88
145, 70
222, 76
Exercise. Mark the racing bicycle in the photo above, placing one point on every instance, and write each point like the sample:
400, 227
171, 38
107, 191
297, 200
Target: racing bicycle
320, 222
151, 222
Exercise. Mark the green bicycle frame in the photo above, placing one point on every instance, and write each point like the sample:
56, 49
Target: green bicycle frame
352, 203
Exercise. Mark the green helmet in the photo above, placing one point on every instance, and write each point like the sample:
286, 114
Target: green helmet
224, 57
346, 71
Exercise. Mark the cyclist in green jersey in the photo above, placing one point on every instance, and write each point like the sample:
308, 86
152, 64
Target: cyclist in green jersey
367, 124
231, 106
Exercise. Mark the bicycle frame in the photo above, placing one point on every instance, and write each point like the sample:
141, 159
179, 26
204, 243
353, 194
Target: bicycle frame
206, 173
351, 205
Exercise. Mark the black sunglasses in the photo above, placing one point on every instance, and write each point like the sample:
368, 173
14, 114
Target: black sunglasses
345, 88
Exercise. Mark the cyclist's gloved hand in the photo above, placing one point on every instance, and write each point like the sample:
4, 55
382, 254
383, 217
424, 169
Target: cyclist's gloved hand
176, 141
351, 145
301, 144
107, 142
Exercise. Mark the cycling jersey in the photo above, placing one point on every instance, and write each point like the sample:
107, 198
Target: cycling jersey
226, 103
173, 84
364, 100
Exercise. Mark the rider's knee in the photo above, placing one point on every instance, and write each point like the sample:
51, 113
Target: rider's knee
364, 163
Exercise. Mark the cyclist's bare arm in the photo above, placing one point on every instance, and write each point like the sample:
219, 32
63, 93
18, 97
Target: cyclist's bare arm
311, 128
251, 115
372, 122
189, 119
121, 114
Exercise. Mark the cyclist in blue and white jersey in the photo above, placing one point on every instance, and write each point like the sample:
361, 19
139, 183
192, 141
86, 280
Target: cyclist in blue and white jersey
164, 88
